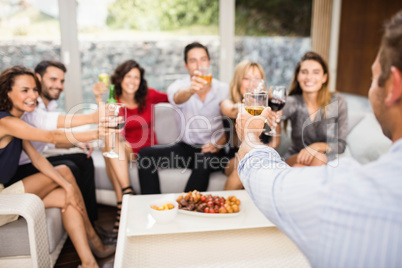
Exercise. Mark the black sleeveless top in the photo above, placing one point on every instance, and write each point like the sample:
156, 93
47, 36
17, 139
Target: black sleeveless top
9, 156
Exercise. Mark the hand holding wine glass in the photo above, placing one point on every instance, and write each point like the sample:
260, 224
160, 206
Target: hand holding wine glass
117, 115
255, 103
206, 73
276, 100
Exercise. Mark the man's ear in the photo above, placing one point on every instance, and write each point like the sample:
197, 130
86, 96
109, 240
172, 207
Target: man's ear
39, 77
395, 93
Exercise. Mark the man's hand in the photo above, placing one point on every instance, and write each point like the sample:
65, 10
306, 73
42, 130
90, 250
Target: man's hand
99, 89
249, 128
199, 85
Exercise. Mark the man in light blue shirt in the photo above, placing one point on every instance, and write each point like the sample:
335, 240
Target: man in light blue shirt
200, 124
349, 216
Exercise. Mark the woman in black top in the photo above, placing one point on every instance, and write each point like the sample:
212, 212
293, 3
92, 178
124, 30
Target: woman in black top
19, 90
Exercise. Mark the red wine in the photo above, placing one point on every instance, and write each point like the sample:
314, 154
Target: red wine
276, 104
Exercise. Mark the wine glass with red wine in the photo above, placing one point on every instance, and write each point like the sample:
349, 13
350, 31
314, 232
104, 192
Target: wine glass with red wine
276, 100
117, 114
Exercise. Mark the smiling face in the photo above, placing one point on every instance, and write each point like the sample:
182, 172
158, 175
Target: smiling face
131, 81
252, 73
196, 57
52, 83
23, 95
311, 76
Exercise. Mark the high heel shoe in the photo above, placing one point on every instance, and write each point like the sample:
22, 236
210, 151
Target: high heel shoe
117, 221
128, 190
109, 250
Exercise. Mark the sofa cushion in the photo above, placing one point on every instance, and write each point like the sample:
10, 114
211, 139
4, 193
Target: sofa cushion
166, 128
354, 117
14, 238
366, 140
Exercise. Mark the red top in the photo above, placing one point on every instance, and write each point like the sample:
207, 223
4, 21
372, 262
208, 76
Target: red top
138, 130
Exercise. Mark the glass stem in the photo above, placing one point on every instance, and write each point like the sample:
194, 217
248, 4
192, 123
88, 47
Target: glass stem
113, 138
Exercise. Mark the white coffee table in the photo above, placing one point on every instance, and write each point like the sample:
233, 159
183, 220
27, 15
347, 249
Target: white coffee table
248, 239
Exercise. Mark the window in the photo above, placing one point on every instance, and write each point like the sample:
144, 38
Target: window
154, 33
273, 33
29, 33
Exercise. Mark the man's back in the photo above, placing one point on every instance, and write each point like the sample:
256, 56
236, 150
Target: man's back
338, 216
363, 215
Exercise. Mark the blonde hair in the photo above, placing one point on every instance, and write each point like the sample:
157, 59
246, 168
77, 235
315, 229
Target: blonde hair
240, 70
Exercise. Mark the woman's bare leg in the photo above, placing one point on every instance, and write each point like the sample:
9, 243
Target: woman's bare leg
90, 231
74, 224
54, 196
119, 166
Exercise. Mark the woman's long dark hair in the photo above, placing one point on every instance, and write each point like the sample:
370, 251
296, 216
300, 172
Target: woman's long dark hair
118, 76
7, 80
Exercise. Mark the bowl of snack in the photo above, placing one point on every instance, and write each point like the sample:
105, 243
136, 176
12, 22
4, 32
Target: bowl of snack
163, 210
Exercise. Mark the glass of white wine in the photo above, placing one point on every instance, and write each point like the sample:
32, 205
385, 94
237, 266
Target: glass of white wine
255, 102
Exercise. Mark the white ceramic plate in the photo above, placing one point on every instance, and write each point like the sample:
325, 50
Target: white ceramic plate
212, 215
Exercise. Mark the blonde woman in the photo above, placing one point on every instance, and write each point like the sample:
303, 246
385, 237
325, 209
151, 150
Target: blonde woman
318, 116
244, 72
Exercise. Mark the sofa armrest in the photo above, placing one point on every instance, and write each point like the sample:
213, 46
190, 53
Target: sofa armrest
32, 209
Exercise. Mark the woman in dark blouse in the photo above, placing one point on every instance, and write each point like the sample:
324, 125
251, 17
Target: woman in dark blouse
56, 186
318, 117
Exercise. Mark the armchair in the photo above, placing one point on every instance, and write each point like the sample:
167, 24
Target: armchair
36, 238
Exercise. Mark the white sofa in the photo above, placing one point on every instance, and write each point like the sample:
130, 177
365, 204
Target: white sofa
365, 142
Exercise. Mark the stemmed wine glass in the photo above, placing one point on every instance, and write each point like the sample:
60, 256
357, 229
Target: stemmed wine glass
117, 113
276, 100
255, 102
255, 99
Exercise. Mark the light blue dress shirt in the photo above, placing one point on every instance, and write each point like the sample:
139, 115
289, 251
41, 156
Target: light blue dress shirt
344, 215
200, 122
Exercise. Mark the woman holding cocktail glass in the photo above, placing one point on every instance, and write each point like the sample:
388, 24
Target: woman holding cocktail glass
56, 186
246, 72
318, 116
131, 90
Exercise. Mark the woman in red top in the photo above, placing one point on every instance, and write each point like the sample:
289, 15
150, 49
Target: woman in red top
132, 90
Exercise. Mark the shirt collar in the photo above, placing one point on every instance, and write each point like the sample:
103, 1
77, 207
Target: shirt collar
50, 107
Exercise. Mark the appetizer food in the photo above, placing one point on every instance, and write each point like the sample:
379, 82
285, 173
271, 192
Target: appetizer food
196, 201
166, 206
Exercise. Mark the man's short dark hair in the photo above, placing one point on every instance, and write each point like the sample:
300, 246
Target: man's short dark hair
194, 45
43, 65
391, 47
